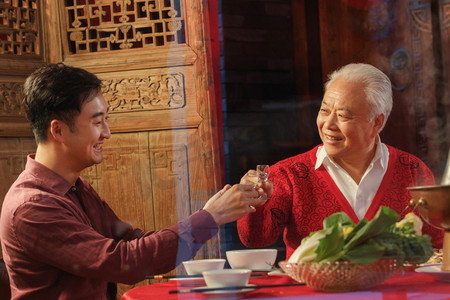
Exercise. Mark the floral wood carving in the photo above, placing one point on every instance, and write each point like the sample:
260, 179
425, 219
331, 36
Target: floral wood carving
105, 25
11, 99
420, 14
154, 92
14, 161
445, 14
420, 99
18, 27
374, 19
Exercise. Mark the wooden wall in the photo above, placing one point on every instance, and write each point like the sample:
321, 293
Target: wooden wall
155, 59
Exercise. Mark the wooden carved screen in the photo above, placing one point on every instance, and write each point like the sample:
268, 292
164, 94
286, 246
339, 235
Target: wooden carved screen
154, 57
20, 53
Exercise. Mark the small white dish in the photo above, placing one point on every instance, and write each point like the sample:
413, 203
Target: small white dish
435, 270
223, 293
193, 281
188, 278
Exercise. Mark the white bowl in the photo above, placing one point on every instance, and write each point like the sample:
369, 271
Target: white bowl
227, 277
253, 259
196, 267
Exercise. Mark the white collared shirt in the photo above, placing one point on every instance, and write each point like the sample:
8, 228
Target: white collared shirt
359, 196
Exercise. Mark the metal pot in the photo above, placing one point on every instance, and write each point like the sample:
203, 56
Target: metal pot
433, 204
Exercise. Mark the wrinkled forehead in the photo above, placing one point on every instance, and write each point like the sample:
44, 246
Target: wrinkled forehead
342, 89
346, 96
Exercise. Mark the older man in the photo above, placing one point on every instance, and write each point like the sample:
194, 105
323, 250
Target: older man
352, 171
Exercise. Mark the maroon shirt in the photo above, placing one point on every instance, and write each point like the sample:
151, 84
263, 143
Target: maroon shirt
303, 197
64, 242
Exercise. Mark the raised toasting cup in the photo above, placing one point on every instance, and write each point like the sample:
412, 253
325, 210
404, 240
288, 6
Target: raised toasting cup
433, 204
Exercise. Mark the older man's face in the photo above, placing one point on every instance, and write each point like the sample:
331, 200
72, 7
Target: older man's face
343, 123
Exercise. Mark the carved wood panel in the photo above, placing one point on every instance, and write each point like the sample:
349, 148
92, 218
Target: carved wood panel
119, 34
151, 99
122, 178
20, 54
11, 99
155, 92
13, 152
154, 58
122, 24
19, 27
444, 107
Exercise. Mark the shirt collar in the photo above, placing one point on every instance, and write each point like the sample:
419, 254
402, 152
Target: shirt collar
381, 155
47, 177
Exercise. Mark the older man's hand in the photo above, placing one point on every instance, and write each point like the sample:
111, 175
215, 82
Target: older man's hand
265, 189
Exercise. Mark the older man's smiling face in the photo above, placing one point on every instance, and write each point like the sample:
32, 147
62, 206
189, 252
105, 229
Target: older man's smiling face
343, 122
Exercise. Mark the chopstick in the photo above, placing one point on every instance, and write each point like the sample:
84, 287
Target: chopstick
189, 276
172, 276
232, 288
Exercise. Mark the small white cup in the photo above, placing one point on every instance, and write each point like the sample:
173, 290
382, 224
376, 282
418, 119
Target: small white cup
196, 267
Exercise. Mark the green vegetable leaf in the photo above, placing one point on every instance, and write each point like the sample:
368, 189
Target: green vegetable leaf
366, 253
384, 218
367, 241
337, 218
331, 244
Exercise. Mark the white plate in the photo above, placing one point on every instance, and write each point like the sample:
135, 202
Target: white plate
435, 270
191, 281
277, 272
223, 293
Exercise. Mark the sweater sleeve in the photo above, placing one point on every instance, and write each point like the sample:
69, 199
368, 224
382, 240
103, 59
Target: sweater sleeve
263, 227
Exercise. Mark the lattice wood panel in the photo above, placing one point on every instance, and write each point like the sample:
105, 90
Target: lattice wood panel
19, 27
105, 25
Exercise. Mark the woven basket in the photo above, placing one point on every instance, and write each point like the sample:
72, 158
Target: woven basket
341, 276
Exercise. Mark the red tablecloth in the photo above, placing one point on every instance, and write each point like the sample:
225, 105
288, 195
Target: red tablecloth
410, 285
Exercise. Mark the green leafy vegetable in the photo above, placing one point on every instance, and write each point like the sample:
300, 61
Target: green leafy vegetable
368, 241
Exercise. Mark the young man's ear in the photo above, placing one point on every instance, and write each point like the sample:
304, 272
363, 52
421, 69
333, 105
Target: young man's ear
56, 130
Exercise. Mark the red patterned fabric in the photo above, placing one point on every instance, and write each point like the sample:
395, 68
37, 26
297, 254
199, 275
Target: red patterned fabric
303, 197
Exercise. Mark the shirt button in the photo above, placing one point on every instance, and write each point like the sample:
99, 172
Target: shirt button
74, 189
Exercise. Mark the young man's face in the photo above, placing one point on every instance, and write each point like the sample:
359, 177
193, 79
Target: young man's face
85, 142
343, 122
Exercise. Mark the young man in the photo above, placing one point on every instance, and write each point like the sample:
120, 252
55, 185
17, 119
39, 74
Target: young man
60, 240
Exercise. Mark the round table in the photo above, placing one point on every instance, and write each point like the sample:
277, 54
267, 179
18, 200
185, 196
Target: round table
407, 285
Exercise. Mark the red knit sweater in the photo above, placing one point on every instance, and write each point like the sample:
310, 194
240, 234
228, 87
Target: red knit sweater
303, 197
